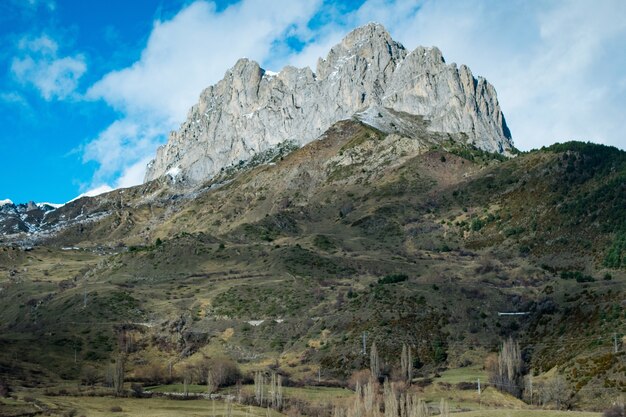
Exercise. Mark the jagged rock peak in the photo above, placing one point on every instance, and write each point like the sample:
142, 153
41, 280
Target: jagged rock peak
251, 110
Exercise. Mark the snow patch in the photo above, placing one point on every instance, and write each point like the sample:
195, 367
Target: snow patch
53, 205
5, 202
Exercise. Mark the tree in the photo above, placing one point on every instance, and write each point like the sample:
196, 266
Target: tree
118, 375
374, 361
276, 391
5, 389
259, 381
555, 390
210, 382
406, 363
506, 374
444, 408
89, 375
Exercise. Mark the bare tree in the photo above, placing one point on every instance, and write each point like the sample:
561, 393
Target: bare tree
229, 407
395, 404
555, 390
259, 381
506, 373
279, 393
210, 382
374, 361
390, 399
186, 385
406, 363
444, 408
118, 375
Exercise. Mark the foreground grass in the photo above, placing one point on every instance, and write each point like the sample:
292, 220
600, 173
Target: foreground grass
150, 407
526, 413
314, 395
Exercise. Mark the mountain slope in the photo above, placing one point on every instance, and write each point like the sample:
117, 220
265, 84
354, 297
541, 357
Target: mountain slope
409, 239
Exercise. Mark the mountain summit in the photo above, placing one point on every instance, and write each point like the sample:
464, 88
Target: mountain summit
367, 75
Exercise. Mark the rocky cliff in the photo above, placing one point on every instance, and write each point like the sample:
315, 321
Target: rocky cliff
368, 74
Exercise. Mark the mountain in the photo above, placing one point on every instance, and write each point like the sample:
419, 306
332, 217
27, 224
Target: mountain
23, 218
422, 241
367, 75
382, 226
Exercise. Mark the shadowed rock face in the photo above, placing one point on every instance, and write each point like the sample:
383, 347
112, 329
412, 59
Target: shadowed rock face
251, 110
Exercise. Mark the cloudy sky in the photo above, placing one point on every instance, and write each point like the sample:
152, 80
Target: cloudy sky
89, 89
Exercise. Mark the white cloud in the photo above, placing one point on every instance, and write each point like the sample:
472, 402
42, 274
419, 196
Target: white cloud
13, 97
40, 66
120, 146
134, 174
555, 65
183, 56
33, 4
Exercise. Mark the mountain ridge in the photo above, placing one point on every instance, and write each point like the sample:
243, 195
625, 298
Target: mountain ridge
251, 110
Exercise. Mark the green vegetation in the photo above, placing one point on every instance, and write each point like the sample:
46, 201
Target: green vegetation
283, 269
577, 275
392, 279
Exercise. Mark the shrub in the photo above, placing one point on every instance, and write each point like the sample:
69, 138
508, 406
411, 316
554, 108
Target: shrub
5, 389
137, 389
116, 409
466, 386
393, 279
361, 377
577, 275
614, 411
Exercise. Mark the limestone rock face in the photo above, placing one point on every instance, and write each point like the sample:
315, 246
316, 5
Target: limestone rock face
251, 110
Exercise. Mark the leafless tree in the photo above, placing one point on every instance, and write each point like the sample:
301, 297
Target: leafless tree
259, 382
506, 373
406, 363
374, 361
556, 391
118, 375
444, 408
210, 382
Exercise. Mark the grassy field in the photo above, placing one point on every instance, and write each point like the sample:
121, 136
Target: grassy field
149, 407
467, 374
526, 413
315, 395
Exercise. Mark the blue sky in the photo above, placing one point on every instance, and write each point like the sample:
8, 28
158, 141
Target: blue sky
89, 89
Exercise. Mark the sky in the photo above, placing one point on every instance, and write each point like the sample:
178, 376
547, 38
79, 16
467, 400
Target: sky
90, 89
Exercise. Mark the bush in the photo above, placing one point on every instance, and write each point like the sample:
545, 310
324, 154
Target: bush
89, 375
393, 279
577, 275
466, 386
225, 372
614, 411
116, 409
5, 389
137, 389
361, 377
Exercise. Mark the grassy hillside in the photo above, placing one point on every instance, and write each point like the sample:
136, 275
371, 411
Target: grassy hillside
288, 264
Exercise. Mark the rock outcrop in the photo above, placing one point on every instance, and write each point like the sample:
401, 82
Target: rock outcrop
251, 110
